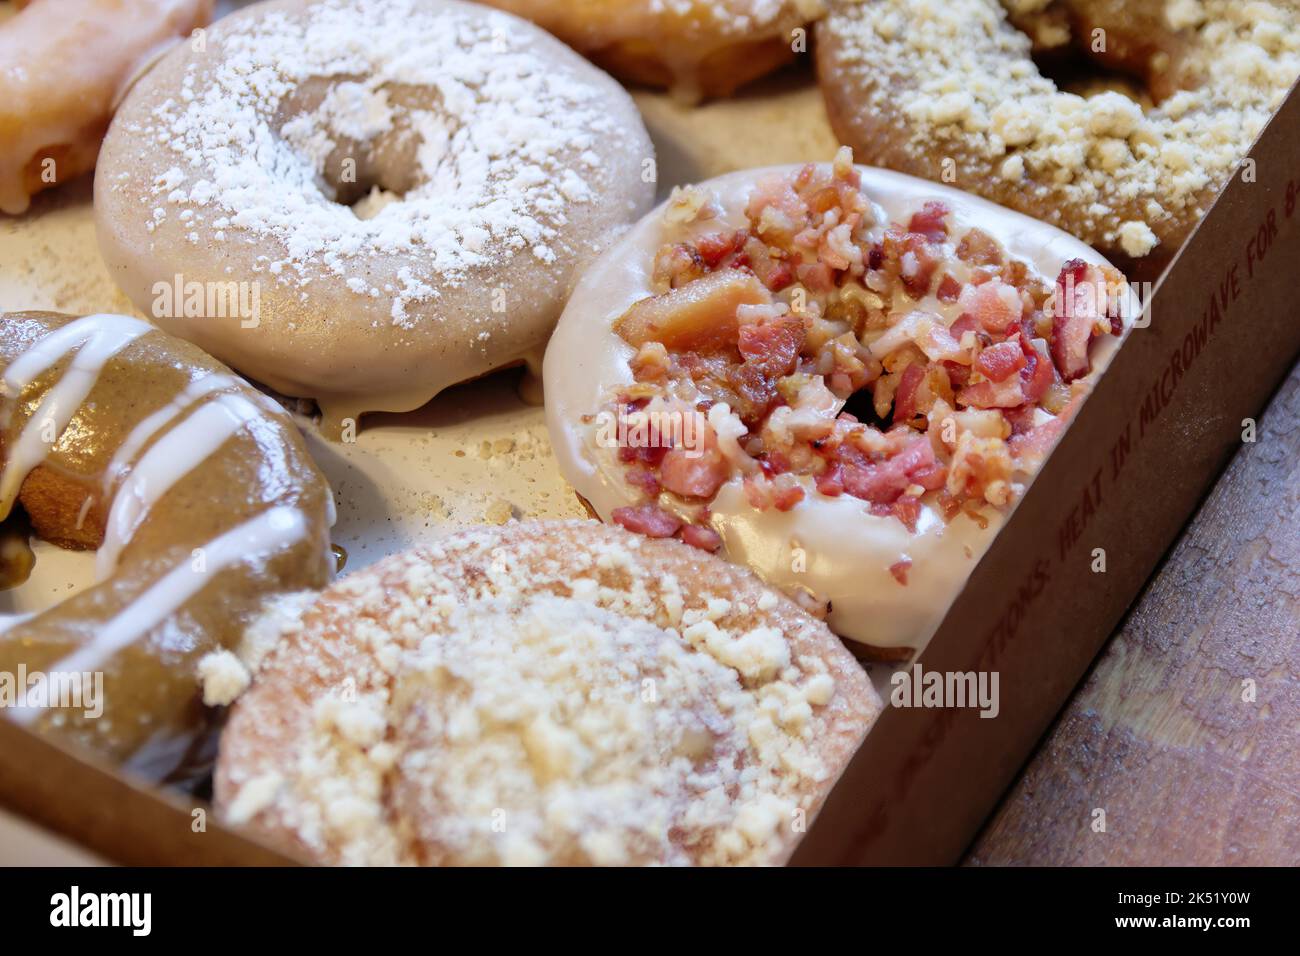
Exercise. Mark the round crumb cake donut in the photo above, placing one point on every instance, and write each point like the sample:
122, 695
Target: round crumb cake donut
543, 693
693, 47
366, 202
842, 377
64, 65
946, 90
201, 499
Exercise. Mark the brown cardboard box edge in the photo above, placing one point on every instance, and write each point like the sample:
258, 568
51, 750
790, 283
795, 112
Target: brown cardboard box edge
1125, 477
1147, 445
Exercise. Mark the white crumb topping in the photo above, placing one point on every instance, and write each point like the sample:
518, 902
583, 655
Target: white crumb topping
520, 707
223, 677
490, 170
962, 77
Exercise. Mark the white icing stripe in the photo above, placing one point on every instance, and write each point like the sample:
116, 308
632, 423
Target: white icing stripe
8, 621
270, 531
140, 435
169, 460
96, 338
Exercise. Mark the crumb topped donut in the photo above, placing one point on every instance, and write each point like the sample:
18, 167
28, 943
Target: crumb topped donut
64, 66
197, 492
544, 693
694, 47
395, 193
946, 89
842, 377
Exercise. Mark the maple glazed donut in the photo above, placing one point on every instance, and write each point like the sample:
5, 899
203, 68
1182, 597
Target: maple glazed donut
694, 47
200, 496
403, 189
842, 377
64, 65
554, 692
946, 90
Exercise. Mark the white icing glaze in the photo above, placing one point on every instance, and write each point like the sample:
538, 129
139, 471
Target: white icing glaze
96, 339
169, 460
270, 531
150, 426
847, 550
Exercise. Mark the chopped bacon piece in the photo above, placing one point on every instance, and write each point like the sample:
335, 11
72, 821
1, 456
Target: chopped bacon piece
694, 474
699, 316
949, 289
831, 481
908, 510
905, 396
999, 362
645, 480
1073, 319
1037, 441
917, 265
786, 496
899, 570
987, 394
994, 304
701, 536
818, 276
772, 345
978, 248
716, 246
649, 520
1038, 374
884, 482
930, 221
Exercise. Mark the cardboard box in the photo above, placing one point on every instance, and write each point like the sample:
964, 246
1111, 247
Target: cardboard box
1131, 469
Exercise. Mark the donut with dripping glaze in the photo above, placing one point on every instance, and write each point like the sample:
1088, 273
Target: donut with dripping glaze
200, 496
366, 202
842, 377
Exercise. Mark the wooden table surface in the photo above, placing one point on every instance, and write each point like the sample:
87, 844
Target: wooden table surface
1186, 732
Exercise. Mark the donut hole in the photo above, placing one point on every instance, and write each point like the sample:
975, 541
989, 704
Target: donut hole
369, 146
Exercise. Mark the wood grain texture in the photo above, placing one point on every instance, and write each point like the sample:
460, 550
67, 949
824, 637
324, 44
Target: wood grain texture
1159, 735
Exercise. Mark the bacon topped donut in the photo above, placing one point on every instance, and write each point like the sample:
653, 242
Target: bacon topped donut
201, 499
946, 89
842, 377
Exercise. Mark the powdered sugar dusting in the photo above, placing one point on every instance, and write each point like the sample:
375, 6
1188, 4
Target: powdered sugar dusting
469, 135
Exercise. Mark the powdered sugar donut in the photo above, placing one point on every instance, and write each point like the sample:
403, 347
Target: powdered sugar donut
543, 693
366, 202
946, 89
694, 47
839, 376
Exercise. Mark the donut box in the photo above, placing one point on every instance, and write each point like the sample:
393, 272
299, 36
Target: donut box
1215, 337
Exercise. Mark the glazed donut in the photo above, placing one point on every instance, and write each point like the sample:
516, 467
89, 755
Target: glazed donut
842, 377
543, 693
693, 47
200, 496
406, 187
945, 89
63, 69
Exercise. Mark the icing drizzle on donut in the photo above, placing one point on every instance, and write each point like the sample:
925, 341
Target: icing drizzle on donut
270, 531
96, 339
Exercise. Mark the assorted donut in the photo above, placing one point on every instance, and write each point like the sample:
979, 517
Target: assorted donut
64, 67
411, 185
948, 90
197, 491
841, 377
544, 693
801, 401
